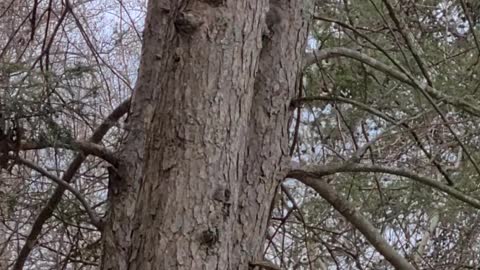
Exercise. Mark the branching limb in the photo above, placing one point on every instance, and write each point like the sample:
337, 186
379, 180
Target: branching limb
56, 197
312, 58
88, 148
416, 51
313, 171
95, 220
350, 212
373, 111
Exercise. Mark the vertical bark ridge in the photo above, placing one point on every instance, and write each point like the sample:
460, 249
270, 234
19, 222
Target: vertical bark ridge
125, 180
195, 139
267, 152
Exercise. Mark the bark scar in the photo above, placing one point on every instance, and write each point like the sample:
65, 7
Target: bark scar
210, 237
188, 22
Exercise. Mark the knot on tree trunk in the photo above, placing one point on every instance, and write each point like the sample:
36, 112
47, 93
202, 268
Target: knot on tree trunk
214, 3
188, 22
265, 265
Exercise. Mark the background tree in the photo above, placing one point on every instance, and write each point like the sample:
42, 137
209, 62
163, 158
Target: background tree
378, 115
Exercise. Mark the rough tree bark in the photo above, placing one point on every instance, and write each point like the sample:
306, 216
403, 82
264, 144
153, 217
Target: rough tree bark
208, 134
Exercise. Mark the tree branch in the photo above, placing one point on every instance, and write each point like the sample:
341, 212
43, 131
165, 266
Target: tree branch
313, 171
95, 220
416, 51
56, 197
350, 212
372, 110
312, 58
86, 147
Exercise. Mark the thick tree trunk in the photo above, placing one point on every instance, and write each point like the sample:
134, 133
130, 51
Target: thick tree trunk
276, 84
124, 181
216, 135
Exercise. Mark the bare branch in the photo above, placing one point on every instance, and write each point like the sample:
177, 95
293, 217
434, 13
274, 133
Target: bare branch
416, 51
471, 25
373, 111
56, 197
312, 58
88, 148
95, 220
350, 212
313, 171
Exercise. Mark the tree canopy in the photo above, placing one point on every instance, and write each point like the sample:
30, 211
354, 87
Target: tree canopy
383, 136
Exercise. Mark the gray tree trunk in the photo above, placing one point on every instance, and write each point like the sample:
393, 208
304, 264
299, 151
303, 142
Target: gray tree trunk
208, 134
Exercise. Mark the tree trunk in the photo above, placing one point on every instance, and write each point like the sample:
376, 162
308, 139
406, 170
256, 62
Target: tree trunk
215, 134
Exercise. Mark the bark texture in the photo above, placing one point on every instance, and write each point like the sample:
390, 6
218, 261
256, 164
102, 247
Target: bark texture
209, 135
267, 157
124, 181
